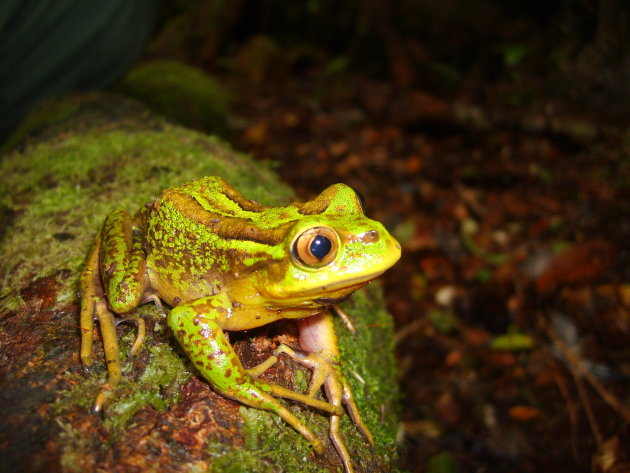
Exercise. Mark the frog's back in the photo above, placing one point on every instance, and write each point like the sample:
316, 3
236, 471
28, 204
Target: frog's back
214, 195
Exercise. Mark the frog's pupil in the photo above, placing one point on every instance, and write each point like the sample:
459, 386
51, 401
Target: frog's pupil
320, 247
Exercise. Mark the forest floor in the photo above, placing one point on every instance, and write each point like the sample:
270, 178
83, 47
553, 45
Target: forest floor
512, 298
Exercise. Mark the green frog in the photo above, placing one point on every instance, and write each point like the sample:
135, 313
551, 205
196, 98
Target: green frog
223, 262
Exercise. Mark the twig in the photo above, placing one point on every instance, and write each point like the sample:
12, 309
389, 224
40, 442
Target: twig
563, 387
577, 368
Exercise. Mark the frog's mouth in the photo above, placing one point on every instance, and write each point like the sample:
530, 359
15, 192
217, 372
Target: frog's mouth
332, 300
340, 291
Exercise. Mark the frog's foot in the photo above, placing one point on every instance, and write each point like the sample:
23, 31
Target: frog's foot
285, 393
328, 374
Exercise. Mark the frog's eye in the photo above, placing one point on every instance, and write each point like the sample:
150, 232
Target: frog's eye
316, 246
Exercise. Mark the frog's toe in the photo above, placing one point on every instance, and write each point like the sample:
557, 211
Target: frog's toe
259, 369
355, 415
285, 393
140, 327
256, 394
321, 368
101, 400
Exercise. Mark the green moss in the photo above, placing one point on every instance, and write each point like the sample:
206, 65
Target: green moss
375, 390
71, 460
269, 447
180, 92
301, 380
158, 386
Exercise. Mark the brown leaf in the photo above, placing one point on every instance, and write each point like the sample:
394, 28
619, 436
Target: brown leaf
580, 263
523, 413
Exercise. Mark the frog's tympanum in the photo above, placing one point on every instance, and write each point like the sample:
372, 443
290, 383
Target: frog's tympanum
223, 262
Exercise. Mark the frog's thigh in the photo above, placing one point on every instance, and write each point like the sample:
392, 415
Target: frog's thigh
122, 261
203, 340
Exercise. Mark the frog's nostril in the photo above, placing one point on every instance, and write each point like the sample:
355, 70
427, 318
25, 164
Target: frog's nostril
369, 236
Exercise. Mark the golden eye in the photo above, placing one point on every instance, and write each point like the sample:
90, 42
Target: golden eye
316, 246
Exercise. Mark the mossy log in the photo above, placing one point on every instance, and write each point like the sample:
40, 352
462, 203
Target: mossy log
76, 160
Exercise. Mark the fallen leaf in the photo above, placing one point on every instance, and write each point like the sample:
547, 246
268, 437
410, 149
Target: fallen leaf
580, 263
523, 413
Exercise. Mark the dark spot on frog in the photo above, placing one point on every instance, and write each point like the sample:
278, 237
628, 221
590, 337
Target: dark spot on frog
237, 304
177, 300
258, 317
63, 236
215, 220
196, 321
109, 268
181, 333
228, 373
199, 363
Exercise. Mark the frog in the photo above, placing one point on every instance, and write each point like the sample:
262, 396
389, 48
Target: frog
222, 263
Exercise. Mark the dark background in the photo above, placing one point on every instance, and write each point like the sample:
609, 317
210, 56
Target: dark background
490, 136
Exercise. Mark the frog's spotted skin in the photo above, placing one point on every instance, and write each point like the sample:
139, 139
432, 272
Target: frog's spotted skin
227, 263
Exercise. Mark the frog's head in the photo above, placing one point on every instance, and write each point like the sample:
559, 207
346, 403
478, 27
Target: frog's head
330, 250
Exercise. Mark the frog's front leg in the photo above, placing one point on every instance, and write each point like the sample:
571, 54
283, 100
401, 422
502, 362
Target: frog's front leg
318, 338
197, 326
114, 272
